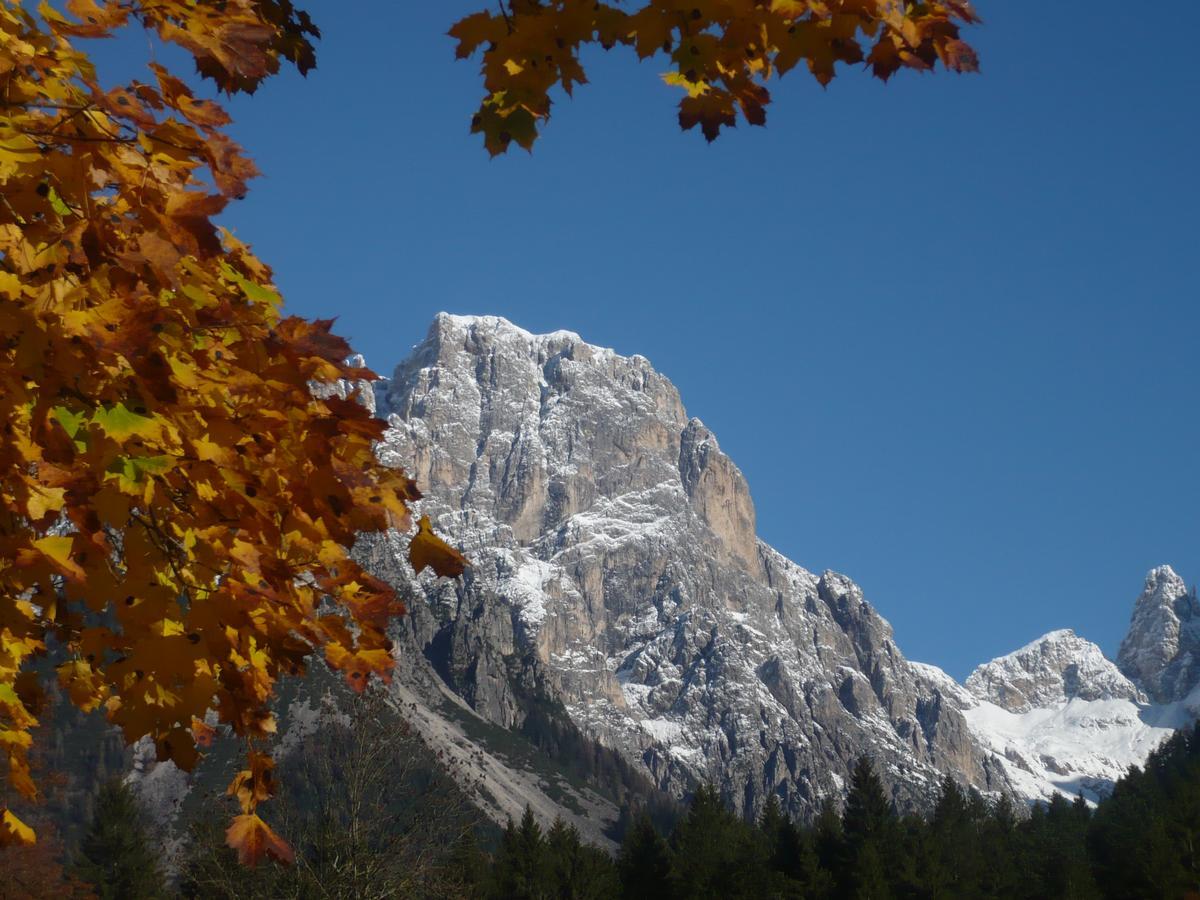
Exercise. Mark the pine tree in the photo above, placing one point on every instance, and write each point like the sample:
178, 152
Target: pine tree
790, 852
644, 862
871, 844
771, 820
521, 871
955, 841
115, 856
576, 871
828, 837
466, 866
715, 853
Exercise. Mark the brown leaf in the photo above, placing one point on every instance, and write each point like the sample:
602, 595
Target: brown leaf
427, 549
253, 839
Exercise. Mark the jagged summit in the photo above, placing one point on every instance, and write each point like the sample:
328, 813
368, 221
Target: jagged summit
1057, 666
1161, 651
614, 555
498, 324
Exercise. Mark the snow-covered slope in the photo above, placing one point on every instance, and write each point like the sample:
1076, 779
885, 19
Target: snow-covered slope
1069, 720
1070, 747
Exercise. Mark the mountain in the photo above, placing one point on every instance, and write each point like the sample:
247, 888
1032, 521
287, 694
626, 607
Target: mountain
622, 635
1162, 649
1067, 719
615, 568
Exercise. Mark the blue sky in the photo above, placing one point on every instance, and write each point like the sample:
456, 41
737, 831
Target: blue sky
949, 327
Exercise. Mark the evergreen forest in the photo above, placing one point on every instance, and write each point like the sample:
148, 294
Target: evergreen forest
1140, 843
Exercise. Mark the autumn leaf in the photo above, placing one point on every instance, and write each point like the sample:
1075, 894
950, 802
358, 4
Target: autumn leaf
253, 839
427, 549
721, 54
253, 785
168, 469
83, 684
15, 832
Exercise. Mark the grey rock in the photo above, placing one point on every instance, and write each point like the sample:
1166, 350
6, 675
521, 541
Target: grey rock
615, 566
1161, 651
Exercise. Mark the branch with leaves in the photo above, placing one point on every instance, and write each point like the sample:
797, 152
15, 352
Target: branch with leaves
721, 52
175, 503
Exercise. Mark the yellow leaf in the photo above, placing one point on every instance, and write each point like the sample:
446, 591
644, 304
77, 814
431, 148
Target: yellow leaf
15, 832
82, 683
43, 500
58, 550
10, 286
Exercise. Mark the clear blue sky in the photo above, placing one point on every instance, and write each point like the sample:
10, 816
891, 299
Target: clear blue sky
949, 328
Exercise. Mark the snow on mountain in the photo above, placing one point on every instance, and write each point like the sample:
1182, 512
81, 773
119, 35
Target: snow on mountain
616, 578
615, 558
1069, 747
1056, 667
1069, 720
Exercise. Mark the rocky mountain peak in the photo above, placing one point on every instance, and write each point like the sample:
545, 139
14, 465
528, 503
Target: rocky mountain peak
616, 566
1058, 666
1161, 650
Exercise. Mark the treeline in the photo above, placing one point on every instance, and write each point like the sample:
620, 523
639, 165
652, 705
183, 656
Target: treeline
1141, 843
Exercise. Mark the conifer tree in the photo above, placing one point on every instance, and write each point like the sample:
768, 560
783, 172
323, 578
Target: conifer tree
644, 863
955, 840
791, 853
871, 836
521, 871
577, 871
466, 865
115, 856
828, 837
715, 853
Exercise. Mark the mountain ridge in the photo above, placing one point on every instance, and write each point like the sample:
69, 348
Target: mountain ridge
462, 349
617, 581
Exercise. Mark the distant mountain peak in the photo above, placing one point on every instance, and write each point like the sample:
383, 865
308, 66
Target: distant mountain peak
1056, 667
1161, 650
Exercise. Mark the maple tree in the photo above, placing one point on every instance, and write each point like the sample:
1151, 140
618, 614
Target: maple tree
722, 52
177, 500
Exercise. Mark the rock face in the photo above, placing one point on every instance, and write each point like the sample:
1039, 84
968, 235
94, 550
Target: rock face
615, 566
1056, 667
1161, 652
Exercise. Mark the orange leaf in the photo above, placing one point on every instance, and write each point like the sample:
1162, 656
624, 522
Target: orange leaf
253, 838
203, 733
252, 786
427, 549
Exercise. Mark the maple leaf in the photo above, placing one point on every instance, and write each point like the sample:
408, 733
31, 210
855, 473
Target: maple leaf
158, 405
253, 839
253, 785
15, 832
731, 47
427, 549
